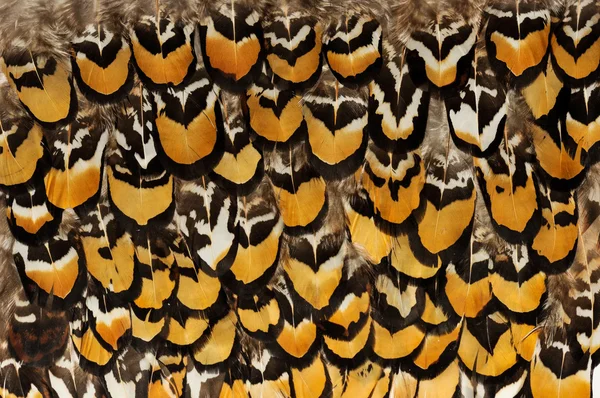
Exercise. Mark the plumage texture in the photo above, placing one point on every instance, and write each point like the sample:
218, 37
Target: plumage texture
299, 198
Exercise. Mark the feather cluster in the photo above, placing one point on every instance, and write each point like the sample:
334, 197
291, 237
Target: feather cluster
287, 198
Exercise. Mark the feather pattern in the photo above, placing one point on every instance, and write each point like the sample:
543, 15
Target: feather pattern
299, 198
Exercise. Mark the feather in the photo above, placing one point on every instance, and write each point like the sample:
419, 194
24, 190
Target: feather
555, 244
347, 331
315, 264
575, 43
260, 315
108, 320
205, 383
43, 84
91, 354
155, 262
293, 43
364, 232
259, 241
525, 335
445, 384
542, 94
397, 106
183, 328
449, 191
73, 181
206, 217
336, 119
241, 168
299, 339
409, 258
477, 113
486, 346
554, 139
517, 37
63, 378
189, 127
231, 38
167, 375
300, 190
52, 273
514, 275
509, 186
109, 252
353, 48
91, 385
562, 359
134, 131
467, 282
404, 384
394, 182
101, 64
221, 342
312, 380
24, 158
583, 118
588, 254
438, 348
153, 194
360, 382
134, 170
233, 386
440, 52
196, 291
397, 307
163, 51
32, 219
556, 369
268, 375
275, 115
196, 297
